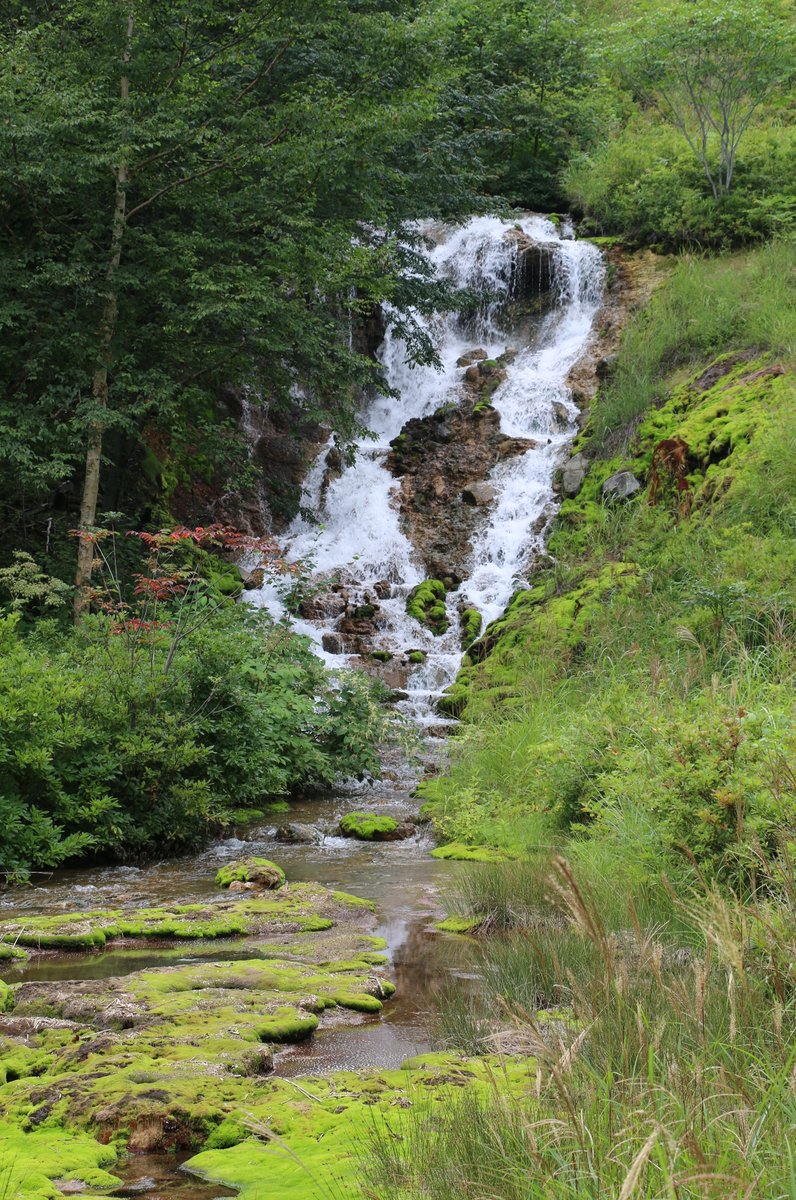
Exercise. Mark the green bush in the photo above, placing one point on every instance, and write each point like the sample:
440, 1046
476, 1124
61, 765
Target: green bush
645, 184
111, 744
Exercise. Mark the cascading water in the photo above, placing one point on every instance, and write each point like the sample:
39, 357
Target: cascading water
358, 532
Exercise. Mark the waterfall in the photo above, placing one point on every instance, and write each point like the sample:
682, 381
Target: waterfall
358, 531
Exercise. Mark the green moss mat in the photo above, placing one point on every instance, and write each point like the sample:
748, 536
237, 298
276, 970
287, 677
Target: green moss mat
300, 1146
463, 853
303, 907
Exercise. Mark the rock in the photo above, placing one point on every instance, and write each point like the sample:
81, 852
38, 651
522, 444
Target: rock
253, 580
383, 588
371, 827
296, 833
472, 374
332, 643
472, 356
573, 474
605, 366
479, 493
621, 486
259, 872
561, 417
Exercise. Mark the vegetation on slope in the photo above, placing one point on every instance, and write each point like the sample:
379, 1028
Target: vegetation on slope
639, 695
628, 741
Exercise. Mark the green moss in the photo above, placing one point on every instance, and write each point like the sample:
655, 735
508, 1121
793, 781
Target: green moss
368, 827
11, 953
416, 656
463, 853
458, 924
29, 1162
381, 656
252, 870
356, 902
426, 603
470, 622
319, 1146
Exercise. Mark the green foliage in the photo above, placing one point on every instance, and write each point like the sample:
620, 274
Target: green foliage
271, 155
623, 1007
119, 747
731, 305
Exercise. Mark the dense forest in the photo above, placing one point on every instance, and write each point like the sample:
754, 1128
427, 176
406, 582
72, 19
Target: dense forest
214, 218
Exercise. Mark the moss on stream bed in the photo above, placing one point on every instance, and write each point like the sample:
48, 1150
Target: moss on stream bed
178, 1056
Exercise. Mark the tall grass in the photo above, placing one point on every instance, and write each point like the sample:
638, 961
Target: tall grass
666, 1071
708, 305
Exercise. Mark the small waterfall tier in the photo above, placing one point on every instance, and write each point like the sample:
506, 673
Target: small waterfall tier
540, 291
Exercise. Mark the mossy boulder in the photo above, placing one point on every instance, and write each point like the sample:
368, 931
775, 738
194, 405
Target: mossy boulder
371, 827
426, 603
260, 872
416, 656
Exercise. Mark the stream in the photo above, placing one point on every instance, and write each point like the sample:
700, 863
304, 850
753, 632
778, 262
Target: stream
357, 533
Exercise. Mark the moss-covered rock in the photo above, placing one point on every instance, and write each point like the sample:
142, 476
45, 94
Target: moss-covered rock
258, 871
426, 603
369, 827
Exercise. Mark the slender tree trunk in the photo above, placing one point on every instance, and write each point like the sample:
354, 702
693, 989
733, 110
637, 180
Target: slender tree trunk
99, 386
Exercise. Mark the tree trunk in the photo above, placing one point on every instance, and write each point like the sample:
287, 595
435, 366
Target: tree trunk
99, 385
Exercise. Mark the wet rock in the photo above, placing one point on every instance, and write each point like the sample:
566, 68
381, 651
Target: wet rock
471, 356
605, 366
253, 580
621, 486
383, 589
479, 494
573, 474
296, 833
561, 417
456, 450
332, 643
137, 1187
534, 269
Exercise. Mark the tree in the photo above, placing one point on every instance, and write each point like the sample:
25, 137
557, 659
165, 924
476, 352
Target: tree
194, 199
707, 69
521, 92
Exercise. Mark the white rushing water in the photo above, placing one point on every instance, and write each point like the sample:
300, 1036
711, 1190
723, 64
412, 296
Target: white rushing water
359, 535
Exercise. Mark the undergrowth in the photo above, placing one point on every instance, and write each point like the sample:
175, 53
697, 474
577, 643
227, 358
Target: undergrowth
660, 1050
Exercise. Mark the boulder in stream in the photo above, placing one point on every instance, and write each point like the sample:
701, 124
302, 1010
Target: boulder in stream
371, 827
254, 872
